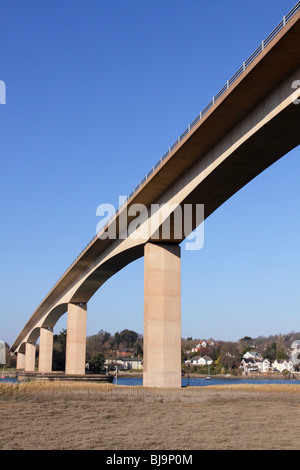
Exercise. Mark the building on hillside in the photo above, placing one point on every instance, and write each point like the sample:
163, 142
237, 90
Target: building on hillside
256, 365
131, 363
253, 355
264, 366
279, 365
125, 363
200, 361
249, 365
204, 344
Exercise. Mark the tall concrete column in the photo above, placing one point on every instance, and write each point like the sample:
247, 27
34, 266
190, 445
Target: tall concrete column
76, 339
30, 350
46, 350
20, 361
162, 316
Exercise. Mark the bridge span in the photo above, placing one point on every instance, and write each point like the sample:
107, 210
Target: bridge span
250, 124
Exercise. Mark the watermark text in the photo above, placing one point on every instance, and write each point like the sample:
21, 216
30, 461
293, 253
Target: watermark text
159, 222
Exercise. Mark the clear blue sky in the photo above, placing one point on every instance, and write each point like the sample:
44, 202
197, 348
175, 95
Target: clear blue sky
96, 92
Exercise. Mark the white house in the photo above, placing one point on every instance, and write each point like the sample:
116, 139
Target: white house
197, 360
252, 355
264, 366
201, 361
204, 344
283, 364
126, 363
131, 363
249, 364
201, 344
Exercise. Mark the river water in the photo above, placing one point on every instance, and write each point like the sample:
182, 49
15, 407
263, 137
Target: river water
199, 382
8, 380
192, 382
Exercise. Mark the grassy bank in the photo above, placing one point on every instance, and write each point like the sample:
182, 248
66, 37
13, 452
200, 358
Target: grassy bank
64, 415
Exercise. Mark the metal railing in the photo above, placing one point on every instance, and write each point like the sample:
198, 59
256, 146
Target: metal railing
229, 82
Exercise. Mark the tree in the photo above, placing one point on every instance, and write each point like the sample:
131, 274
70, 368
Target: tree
230, 354
128, 338
59, 350
280, 342
214, 353
61, 338
270, 352
188, 344
138, 348
115, 340
247, 340
246, 344
281, 354
104, 336
96, 364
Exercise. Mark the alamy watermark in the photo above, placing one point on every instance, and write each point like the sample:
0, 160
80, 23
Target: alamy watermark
2, 92
160, 222
295, 86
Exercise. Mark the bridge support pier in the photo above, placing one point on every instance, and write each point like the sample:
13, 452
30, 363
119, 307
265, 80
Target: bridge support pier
30, 349
46, 350
76, 339
162, 316
20, 361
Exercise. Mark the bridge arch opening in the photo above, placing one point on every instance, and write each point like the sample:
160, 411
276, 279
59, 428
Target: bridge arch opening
118, 304
265, 296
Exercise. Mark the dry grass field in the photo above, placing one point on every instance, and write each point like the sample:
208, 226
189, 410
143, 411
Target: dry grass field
58, 415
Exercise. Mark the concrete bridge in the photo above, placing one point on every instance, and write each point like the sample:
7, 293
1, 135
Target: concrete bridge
250, 124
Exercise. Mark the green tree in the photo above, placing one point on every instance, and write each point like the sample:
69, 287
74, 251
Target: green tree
128, 338
270, 352
246, 340
115, 340
96, 364
246, 344
59, 350
281, 354
104, 335
61, 338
